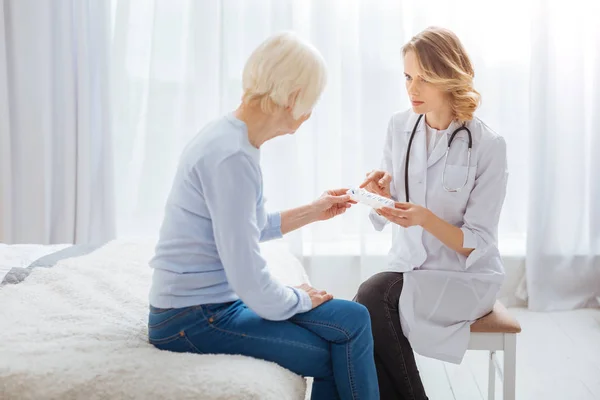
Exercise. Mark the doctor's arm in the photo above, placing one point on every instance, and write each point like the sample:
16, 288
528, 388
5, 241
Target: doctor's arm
482, 216
408, 214
480, 222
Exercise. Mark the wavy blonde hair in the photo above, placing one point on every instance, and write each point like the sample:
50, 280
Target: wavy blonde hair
444, 62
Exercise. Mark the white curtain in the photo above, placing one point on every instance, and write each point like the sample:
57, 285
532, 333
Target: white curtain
177, 64
55, 164
563, 249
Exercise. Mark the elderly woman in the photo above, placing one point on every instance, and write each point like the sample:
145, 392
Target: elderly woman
211, 290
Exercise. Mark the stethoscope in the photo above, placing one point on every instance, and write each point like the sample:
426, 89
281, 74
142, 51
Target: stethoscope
462, 128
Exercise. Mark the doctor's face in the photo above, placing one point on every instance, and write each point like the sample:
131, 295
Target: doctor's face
424, 96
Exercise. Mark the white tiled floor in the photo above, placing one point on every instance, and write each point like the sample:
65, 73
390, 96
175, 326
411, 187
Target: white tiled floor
558, 357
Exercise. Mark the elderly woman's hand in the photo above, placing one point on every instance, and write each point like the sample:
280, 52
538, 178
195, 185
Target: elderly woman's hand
317, 297
330, 204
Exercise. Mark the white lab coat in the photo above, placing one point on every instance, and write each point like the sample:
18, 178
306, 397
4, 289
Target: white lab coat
445, 292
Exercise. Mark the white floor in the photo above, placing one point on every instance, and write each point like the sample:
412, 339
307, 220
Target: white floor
558, 357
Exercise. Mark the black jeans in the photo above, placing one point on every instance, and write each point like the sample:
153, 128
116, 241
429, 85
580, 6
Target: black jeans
397, 371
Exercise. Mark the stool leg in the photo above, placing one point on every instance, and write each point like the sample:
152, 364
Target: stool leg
491, 377
510, 366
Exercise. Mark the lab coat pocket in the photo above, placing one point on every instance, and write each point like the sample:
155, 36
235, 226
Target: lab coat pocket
459, 180
459, 177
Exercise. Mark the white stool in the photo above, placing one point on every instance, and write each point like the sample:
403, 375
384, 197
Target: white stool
498, 331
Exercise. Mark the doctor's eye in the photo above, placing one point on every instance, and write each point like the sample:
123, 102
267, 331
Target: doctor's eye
407, 77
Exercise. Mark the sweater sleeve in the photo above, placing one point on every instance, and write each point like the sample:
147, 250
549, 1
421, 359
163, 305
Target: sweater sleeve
231, 192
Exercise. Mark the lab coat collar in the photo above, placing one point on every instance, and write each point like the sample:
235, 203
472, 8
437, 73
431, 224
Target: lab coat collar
410, 124
439, 151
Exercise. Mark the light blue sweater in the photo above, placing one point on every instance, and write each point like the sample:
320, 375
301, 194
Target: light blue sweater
208, 250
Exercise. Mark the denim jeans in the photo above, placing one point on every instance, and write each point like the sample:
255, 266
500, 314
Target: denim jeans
397, 370
331, 343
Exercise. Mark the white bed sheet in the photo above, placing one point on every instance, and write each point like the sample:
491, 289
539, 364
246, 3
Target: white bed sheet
23, 255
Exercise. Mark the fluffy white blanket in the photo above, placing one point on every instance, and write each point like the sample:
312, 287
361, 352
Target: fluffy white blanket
78, 331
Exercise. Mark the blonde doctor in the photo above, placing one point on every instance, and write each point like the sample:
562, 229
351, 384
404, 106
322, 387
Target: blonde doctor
447, 172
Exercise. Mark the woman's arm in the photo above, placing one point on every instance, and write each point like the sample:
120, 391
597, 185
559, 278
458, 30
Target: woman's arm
231, 192
330, 204
408, 214
296, 218
480, 222
446, 233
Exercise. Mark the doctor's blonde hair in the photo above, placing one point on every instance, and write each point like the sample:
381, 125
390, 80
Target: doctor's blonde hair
284, 71
444, 62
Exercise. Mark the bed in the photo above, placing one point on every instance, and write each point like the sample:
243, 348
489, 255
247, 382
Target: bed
73, 326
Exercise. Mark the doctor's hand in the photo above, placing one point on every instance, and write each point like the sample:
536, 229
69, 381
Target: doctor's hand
331, 203
378, 182
406, 214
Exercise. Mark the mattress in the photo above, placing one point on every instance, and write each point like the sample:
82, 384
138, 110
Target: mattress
73, 326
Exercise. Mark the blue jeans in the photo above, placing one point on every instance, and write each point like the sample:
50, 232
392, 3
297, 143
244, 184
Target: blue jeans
332, 343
